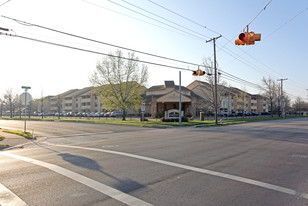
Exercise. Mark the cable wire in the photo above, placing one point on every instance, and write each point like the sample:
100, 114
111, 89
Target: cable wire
4, 3
100, 42
192, 21
164, 18
155, 19
259, 13
94, 52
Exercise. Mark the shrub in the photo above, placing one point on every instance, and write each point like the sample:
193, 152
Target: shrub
159, 114
184, 119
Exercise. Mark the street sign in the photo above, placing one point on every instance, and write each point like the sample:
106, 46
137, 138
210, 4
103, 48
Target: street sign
142, 107
25, 87
23, 98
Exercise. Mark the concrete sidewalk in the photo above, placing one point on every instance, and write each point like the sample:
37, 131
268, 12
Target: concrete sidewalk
13, 141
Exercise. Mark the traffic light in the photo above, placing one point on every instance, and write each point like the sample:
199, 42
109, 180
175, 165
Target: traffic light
252, 37
247, 38
198, 73
241, 39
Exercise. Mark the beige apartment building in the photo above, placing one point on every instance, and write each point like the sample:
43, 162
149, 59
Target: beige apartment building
196, 97
229, 99
73, 101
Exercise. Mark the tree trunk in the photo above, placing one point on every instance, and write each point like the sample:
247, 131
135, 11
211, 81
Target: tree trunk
272, 114
124, 115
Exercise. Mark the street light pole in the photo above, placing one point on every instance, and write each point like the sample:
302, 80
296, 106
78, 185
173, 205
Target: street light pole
215, 68
26, 89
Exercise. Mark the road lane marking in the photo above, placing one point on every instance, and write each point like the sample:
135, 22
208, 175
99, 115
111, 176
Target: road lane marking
290, 125
79, 134
100, 187
196, 169
8, 198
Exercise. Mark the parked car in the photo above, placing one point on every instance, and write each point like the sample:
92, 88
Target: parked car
116, 113
254, 113
225, 113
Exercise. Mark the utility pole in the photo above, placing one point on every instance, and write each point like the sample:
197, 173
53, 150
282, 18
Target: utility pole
180, 100
215, 69
42, 105
282, 99
26, 89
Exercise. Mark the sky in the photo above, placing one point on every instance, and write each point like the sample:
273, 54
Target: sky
176, 29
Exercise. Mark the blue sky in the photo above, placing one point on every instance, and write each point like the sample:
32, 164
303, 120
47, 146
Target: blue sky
281, 53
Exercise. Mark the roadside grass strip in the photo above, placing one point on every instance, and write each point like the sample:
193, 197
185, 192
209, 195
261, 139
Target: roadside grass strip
27, 135
1, 138
156, 123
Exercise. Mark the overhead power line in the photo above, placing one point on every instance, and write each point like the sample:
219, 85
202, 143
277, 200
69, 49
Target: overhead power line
231, 53
287, 22
156, 20
226, 74
192, 21
164, 18
258, 13
4, 3
100, 42
93, 52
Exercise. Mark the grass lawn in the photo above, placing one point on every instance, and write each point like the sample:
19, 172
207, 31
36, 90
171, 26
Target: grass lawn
27, 135
1, 138
150, 122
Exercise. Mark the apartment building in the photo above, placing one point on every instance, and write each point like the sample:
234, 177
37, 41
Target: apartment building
229, 99
196, 97
73, 101
57, 103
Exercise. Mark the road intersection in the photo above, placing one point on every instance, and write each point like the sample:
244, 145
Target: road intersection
248, 164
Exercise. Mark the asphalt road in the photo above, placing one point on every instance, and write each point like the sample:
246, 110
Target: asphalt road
264, 163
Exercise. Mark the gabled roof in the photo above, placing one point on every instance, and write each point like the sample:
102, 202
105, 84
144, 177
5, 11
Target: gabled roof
173, 96
157, 87
79, 92
168, 84
64, 94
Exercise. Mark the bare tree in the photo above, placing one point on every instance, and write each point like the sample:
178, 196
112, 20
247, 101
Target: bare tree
207, 87
1, 106
299, 104
270, 92
9, 101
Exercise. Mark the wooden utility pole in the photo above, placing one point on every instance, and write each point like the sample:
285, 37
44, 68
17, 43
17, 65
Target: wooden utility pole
215, 69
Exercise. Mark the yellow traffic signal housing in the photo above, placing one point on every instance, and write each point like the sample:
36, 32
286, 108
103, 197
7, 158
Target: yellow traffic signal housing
239, 42
198, 73
247, 38
252, 37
